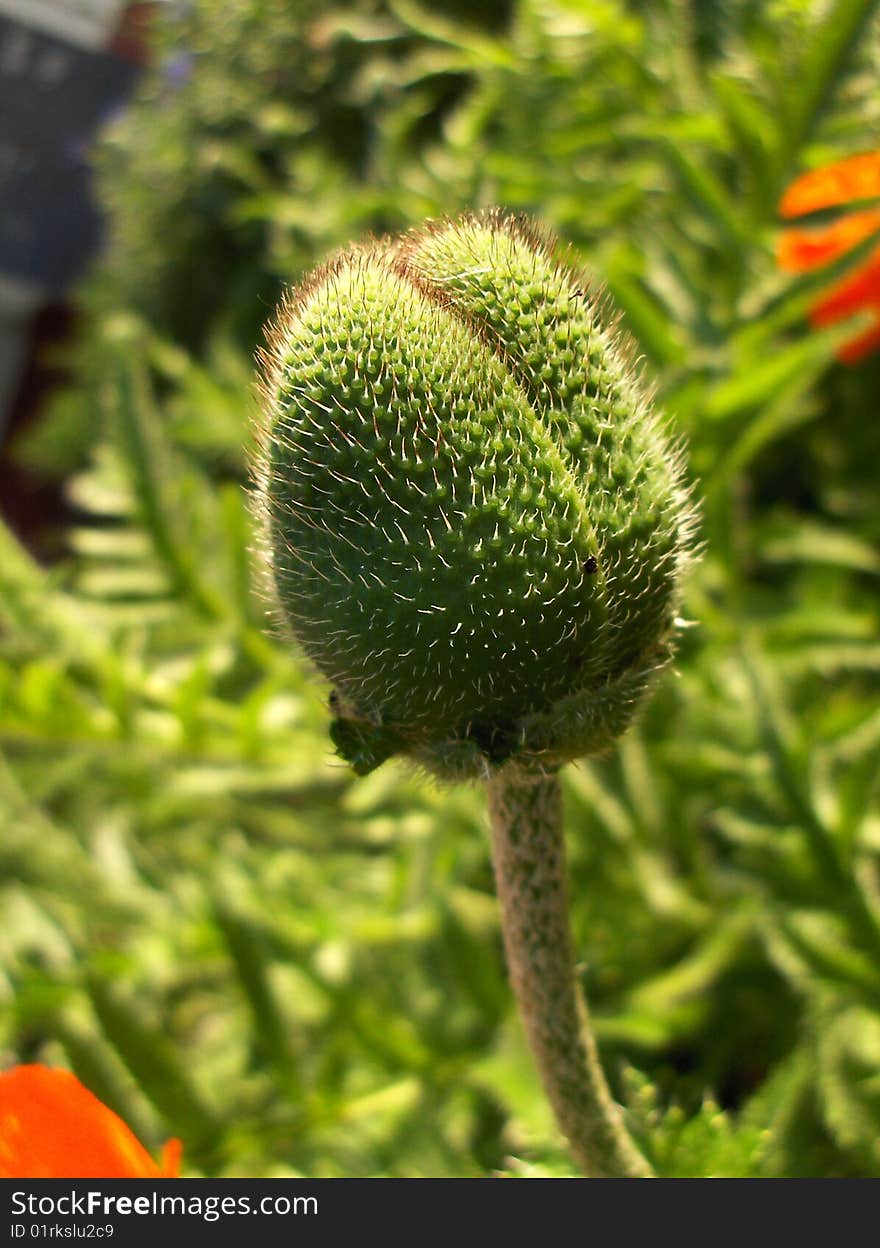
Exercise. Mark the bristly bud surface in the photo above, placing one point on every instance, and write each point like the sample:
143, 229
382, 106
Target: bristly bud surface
474, 524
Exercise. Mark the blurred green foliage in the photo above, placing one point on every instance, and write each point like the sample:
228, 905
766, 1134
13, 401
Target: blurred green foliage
226, 936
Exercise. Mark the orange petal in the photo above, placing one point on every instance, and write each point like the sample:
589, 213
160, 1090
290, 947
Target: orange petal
802, 250
854, 293
170, 1159
51, 1127
863, 344
858, 177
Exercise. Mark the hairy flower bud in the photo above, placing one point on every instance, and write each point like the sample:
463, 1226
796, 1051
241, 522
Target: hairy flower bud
474, 524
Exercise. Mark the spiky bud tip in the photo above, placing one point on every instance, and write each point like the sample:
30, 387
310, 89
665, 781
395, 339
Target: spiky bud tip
474, 523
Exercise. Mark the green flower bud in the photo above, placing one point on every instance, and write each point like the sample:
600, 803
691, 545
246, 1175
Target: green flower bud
474, 523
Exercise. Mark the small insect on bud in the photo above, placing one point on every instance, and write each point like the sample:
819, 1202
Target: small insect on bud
474, 524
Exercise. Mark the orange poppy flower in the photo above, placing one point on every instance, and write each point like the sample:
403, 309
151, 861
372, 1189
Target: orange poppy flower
51, 1127
801, 250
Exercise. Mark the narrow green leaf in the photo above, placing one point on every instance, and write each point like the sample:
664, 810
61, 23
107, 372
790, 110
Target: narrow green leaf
832, 46
250, 957
762, 381
159, 1069
148, 459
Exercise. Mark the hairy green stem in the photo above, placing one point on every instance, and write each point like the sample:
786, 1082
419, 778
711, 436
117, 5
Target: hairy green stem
528, 851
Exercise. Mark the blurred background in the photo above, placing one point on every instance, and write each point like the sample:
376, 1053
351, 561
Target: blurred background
227, 936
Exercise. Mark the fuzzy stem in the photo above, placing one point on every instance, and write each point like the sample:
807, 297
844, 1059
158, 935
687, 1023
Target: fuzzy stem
528, 852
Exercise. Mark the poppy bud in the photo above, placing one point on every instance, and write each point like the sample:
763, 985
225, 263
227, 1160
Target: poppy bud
474, 524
